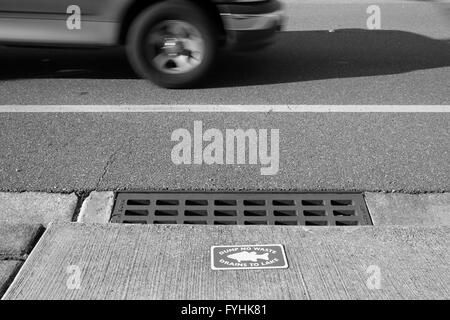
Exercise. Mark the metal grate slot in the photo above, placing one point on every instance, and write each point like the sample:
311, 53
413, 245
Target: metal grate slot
314, 213
138, 202
224, 213
254, 203
196, 202
255, 213
225, 202
192, 213
166, 202
255, 222
316, 223
346, 223
135, 222
286, 223
241, 208
136, 212
344, 213
194, 222
281, 203
284, 213
341, 202
312, 202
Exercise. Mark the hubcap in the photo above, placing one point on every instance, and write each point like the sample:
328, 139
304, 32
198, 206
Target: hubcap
175, 47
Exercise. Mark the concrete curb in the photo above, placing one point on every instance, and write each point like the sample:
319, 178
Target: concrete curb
409, 209
384, 208
36, 207
97, 208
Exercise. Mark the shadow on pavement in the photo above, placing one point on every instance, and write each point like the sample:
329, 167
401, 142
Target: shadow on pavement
297, 56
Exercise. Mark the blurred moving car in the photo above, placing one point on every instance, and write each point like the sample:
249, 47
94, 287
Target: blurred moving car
171, 42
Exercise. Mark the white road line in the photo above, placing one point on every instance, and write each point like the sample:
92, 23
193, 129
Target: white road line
227, 108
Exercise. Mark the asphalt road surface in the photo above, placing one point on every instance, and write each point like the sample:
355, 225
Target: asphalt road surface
408, 62
328, 151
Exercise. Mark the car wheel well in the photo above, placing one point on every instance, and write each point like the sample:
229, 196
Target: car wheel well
138, 6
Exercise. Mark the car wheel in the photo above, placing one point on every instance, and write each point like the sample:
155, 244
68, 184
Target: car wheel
172, 43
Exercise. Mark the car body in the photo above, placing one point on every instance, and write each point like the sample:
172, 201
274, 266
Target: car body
238, 24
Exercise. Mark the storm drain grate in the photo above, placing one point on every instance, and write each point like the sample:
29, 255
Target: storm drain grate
242, 208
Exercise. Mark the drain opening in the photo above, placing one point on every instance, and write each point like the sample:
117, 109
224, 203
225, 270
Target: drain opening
284, 213
196, 202
241, 208
133, 202
225, 203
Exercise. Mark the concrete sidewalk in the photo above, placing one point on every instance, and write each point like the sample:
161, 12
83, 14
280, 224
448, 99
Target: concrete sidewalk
36, 207
111, 261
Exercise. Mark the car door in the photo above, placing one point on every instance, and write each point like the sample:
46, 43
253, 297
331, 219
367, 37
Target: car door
44, 21
57, 8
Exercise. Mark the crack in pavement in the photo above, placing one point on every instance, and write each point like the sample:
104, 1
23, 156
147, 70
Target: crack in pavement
111, 159
8, 257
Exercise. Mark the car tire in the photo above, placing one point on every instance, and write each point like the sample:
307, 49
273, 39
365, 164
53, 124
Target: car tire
172, 43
